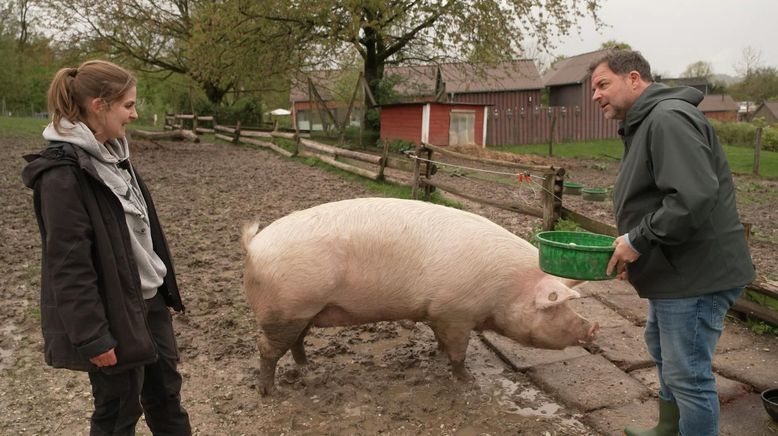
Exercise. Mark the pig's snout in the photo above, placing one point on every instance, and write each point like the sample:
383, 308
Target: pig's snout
592, 334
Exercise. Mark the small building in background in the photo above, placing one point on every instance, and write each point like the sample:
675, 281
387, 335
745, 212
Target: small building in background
436, 123
720, 107
572, 113
767, 110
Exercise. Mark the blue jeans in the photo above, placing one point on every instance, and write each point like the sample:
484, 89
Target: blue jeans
681, 334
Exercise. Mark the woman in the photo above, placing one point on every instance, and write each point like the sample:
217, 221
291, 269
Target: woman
107, 278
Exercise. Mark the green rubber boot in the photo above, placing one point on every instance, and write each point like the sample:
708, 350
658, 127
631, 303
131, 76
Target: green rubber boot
668, 422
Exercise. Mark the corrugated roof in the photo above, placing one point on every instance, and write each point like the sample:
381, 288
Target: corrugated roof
572, 70
718, 103
421, 80
505, 76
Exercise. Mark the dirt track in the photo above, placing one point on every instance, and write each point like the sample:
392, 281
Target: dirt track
372, 379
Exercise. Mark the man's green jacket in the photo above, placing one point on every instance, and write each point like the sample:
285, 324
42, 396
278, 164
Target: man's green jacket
675, 197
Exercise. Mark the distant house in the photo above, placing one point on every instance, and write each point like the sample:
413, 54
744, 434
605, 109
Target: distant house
435, 123
570, 90
719, 107
767, 110
699, 83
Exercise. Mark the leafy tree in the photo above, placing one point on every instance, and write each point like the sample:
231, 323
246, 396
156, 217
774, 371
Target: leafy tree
419, 31
698, 69
28, 60
612, 43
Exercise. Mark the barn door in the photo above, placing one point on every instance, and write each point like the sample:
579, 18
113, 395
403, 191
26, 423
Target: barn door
461, 128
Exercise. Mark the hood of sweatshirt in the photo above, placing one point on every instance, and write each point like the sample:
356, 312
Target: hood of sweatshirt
114, 150
653, 95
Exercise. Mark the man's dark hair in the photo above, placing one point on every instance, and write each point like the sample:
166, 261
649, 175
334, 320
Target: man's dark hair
622, 61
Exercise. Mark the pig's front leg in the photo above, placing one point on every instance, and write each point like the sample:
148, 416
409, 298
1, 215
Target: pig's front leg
453, 338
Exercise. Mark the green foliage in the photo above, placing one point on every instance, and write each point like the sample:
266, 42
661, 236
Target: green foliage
757, 325
698, 69
759, 85
744, 134
612, 43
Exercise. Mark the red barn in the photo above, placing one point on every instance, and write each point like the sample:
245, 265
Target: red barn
435, 123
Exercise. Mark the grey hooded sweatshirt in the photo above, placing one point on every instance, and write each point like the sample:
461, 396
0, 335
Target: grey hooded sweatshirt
106, 159
675, 197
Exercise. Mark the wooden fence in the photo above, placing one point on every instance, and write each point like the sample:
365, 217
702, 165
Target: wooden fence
421, 163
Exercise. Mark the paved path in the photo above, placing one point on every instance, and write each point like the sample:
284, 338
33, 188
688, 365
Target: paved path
613, 382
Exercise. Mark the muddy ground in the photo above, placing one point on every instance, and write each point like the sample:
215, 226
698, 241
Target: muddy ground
375, 379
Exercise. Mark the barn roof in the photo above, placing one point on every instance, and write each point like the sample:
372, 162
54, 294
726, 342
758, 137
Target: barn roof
422, 80
514, 75
718, 103
572, 70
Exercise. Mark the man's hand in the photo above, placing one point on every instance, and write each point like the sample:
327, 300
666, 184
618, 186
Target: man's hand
106, 359
622, 255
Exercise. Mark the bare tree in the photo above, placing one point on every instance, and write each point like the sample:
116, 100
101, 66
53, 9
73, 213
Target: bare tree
750, 60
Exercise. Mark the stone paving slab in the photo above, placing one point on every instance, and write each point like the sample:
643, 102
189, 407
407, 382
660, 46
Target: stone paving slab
728, 389
625, 347
587, 383
746, 416
612, 420
605, 287
593, 310
756, 366
630, 306
522, 358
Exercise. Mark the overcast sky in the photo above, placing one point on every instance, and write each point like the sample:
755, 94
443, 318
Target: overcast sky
672, 34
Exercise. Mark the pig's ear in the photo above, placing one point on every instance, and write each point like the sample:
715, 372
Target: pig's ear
547, 296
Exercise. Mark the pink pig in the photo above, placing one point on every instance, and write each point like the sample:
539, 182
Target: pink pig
382, 259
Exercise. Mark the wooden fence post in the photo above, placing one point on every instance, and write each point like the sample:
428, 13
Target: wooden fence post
428, 174
549, 201
236, 138
384, 159
416, 171
194, 123
757, 150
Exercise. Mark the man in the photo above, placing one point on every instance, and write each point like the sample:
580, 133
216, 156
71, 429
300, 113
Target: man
682, 245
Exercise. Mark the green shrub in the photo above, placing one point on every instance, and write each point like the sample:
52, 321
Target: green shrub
744, 134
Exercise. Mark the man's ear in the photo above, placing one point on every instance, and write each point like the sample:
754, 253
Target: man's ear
634, 78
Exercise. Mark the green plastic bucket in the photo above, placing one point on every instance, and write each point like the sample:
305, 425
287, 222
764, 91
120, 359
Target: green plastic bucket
594, 194
575, 255
572, 188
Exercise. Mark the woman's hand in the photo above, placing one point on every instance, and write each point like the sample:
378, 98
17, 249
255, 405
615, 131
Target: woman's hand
106, 359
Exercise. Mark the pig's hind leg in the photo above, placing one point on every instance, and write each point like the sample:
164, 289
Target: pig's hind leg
453, 338
275, 340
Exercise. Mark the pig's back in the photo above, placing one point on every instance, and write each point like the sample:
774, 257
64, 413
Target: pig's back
420, 253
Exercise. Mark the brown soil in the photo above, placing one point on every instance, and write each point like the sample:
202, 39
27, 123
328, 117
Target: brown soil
381, 378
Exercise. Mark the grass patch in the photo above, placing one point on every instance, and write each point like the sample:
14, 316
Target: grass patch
610, 149
741, 159
22, 127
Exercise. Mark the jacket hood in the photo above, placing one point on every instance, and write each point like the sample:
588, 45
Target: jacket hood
113, 151
41, 162
653, 95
